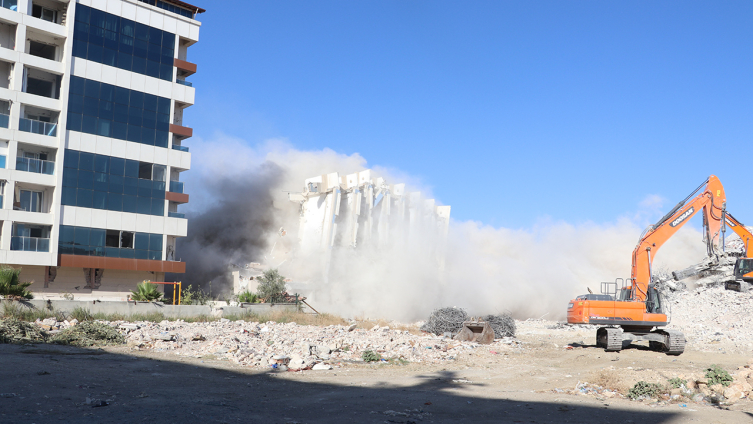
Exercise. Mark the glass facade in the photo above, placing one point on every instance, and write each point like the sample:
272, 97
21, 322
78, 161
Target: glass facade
110, 243
110, 111
114, 184
111, 40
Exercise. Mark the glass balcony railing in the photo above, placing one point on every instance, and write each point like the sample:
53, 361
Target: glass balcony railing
2, 161
1, 201
183, 82
30, 244
38, 127
176, 215
181, 148
9, 4
4, 119
35, 165
176, 187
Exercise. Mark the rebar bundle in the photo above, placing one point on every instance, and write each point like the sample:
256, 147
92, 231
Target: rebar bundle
503, 325
445, 320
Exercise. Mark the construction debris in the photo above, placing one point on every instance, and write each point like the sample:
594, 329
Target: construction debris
502, 324
445, 321
13, 330
89, 333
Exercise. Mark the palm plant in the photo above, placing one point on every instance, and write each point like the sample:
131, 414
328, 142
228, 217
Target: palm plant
146, 292
10, 287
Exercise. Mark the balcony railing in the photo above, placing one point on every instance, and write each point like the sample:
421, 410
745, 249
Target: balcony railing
30, 244
4, 119
176, 215
9, 4
176, 187
181, 148
35, 165
183, 82
2, 161
38, 127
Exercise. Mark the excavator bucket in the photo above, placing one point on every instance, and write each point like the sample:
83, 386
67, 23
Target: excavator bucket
476, 331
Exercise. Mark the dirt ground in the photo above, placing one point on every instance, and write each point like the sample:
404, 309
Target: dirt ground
47, 383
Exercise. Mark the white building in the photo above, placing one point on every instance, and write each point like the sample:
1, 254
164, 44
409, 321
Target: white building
92, 141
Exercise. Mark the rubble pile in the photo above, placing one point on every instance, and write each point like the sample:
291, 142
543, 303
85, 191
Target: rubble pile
293, 346
445, 321
13, 330
503, 325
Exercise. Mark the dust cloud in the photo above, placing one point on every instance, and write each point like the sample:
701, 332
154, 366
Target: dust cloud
239, 203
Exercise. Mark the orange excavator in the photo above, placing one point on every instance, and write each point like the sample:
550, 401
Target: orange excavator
632, 309
743, 273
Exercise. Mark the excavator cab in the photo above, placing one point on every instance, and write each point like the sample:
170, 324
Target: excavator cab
654, 301
743, 276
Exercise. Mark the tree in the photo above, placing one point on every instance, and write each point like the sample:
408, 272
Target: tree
10, 287
271, 286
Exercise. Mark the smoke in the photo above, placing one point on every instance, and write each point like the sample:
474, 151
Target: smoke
486, 270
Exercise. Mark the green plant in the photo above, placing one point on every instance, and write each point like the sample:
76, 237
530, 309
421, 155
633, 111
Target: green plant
271, 286
677, 382
89, 333
370, 356
10, 287
248, 297
644, 389
14, 330
193, 297
82, 314
146, 292
717, 375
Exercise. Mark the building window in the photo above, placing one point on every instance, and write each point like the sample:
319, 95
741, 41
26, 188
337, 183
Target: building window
43, 50
110, 243
30, 238
111, 40
115, 184
110, 111
31, 201
44, 13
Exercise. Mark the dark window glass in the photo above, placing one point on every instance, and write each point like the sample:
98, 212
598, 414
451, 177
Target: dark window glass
142, 254
112, 252
145, 171
152, 68
101, 163
154, 52
78, 85
70, 178
132, 168
86, 161
91, 89
120, 113
115, 202
67, 234
82, 13
150, 102
104, 127
96, 36
76, 103
155, 256
139, 65
84, 197
79, 48
110, 57
158, 207
122, 95
81, 31
134, 133
107, 92
99, 200
111, 40
163, 106
141, 241
106, 110
74, 121
144, 205
168, 41
155, 242
81, 236
97, 18
100, 182
68, 196
150, 121
130, 203
112, 22
140, 49
131, 186
112, 238
94, 52
126, 239
147, 136
162, 137
90, 106
142, 32
127, 27
97, 237
116, 184
117, 166
166, 72
155, 36
71, 158
145, 188
127, 253
85, 179
119, 130
65, 249
89, 124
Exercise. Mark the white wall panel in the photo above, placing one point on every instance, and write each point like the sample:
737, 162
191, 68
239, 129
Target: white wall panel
146, 153
110, 75
99, 218
142, 15
74, 140
94, 71
88, 143
118, 148
83, 217
128, 221
138, 81
133, 151
104, 146
114, 220
143, 223
68, 215
79, 67
123, 78
114, 7
128, 11
151, 86
156, 20
157, 225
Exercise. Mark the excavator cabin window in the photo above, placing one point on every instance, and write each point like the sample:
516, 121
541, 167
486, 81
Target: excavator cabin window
744, 266
653, 301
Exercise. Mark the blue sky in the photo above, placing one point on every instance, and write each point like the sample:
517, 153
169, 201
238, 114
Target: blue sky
512, 111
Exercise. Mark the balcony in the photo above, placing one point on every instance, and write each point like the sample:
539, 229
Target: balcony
185, 68
4, 120
176, 215
2, 161
30, 244
176, 187
38, 166
38, 127
180, 131
9, 4
183, 82
181, 148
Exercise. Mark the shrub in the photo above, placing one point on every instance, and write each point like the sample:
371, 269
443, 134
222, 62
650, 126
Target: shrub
677, 382
371, 356
248, 297
13, 330
643, 389
271, 286
82, 314
193, 297
89, 333
10, 287
146, 292
717, 375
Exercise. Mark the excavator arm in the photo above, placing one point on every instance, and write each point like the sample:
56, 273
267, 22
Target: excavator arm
711, 201
741, 231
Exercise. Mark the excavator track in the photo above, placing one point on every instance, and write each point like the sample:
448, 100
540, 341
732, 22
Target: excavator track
675, 342
609, 338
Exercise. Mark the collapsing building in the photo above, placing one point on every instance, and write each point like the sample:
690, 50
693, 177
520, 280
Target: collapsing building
362, 210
